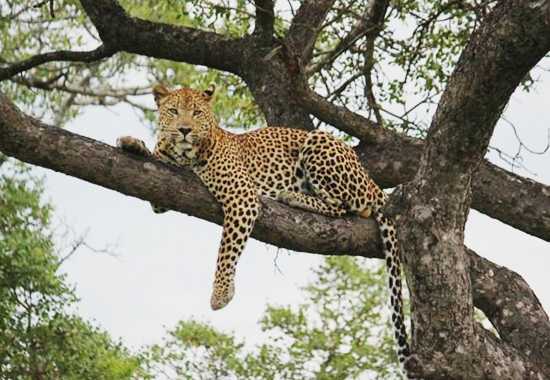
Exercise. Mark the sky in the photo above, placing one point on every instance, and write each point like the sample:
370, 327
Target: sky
164, 264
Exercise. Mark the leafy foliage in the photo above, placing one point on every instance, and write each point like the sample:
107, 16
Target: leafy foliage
39, 339
334, 335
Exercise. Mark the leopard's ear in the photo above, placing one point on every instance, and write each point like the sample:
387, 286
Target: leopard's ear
208, 94
159, 92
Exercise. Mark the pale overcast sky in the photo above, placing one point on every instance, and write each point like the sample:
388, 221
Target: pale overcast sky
165, 266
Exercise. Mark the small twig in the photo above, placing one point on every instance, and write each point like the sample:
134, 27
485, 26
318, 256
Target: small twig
427, 99
336, 93
376, 13
49, 84
407, 122
61, 55
276, 265
42, 3
522, 145
80, 242
514, 161
358, 31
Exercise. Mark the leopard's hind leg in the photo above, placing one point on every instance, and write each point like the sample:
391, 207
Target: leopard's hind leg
310, 203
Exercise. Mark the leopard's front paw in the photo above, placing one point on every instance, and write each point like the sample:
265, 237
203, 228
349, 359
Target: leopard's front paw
222, 294
132, 145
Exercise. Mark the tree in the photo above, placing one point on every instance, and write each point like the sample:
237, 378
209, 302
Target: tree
341, 332
324, 59
39, 338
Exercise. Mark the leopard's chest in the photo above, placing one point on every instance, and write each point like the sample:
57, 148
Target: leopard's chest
189, 155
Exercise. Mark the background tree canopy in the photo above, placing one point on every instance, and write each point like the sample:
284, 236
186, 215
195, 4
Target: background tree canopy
39, 337
418, 85
339, 333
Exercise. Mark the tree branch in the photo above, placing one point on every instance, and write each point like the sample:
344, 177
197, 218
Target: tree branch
340, 117
496, 289
305, 26
358, 31
375, 15
503, 295
61, 55
265, 19
119, 31
393, 159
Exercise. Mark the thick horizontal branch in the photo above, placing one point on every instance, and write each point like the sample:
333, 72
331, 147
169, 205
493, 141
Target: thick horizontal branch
179, 189
119, 31
495, 288
393, 159
61, 55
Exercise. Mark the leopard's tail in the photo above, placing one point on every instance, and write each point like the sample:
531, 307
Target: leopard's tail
393, 264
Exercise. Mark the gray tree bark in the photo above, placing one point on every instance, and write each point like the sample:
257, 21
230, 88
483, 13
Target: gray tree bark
435, 204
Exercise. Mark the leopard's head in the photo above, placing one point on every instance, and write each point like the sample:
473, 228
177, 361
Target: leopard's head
185, 121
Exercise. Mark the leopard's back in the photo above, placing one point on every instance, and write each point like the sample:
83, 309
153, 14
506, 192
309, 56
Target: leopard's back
270, 156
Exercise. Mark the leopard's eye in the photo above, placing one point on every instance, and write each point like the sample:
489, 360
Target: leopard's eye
197, 112
173, 111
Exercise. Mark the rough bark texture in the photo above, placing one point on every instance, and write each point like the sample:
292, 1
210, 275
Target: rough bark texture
519, 318
435, 205
447, 173
120, 32
271, 85
514, 200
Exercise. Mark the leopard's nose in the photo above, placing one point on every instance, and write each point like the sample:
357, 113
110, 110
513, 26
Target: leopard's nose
184, 130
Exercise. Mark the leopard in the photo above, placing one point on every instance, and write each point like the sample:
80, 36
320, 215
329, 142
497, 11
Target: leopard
309, 170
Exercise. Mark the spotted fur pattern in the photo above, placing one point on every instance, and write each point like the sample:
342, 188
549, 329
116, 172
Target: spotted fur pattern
308, 170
